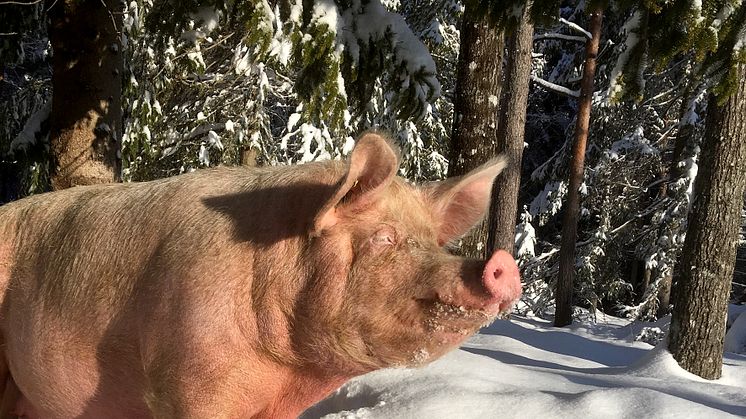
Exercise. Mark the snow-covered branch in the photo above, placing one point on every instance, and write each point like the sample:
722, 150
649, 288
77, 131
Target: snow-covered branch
576, 27
27, 137
561, 36
203, 130
555, 87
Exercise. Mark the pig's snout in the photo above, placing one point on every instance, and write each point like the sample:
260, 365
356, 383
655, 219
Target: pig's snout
501, 279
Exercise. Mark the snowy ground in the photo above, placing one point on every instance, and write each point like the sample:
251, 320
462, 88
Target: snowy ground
524, 368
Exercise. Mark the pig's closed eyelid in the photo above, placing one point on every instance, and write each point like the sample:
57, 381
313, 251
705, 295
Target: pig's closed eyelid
386, 235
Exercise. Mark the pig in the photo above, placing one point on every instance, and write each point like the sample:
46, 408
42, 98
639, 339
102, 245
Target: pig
236, 292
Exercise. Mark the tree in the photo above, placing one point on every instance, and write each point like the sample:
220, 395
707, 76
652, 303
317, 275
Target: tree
510, 135
563, 296
476, 105
210, 80
86, 119
708, 258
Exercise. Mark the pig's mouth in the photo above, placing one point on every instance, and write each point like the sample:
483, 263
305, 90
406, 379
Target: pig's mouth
453, 321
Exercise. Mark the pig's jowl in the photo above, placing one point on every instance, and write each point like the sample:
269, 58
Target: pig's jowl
237, 293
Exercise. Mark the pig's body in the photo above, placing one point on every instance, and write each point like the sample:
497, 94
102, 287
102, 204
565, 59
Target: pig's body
226, 293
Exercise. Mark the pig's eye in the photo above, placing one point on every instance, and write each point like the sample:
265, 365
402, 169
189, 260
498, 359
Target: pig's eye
385, 236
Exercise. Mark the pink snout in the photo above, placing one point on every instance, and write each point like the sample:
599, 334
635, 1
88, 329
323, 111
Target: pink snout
502, 280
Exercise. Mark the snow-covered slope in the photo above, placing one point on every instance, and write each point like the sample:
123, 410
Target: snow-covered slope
524, 368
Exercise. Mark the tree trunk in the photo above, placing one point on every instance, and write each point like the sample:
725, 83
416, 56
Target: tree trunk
563, 295
510, 134
701, 301
684, 138
86, 119
478, 85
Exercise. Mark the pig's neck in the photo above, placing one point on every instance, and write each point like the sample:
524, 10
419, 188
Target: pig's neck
299, 391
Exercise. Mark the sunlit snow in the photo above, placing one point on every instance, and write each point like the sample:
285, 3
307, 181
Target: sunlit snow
525, 368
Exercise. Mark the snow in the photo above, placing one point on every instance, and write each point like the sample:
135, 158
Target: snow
630, 42
296, 11
203, 155
32, 127
206, 19
576, 27
325, 13
555, 87
525, 237
735, 338
740, 41
525, 368
214, 139
368, 22
635, 140
549, 201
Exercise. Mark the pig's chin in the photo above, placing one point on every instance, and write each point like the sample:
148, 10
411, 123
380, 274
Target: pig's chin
449, 324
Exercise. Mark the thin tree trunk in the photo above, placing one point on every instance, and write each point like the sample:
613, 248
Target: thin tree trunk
563, 295
86, 119
478, 85
510, 137
701, 301
684, 137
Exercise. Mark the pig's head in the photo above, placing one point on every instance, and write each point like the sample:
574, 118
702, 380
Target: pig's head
386, 292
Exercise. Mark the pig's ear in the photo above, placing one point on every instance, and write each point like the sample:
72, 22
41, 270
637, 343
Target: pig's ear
372, 166
459, 203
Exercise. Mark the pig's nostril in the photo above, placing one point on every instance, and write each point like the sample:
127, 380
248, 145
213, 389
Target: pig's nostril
500, 276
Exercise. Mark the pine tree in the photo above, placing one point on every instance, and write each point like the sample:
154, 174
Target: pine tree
476, 106
698, 322
510, 136
563, 311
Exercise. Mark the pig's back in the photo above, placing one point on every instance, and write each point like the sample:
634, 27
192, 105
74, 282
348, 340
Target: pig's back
91, 243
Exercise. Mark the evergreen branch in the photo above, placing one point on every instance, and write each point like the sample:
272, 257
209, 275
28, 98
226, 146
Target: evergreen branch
202, 130
651, 209
185, 53
538, 259
8, 33
576, 27
561, 36
562, 90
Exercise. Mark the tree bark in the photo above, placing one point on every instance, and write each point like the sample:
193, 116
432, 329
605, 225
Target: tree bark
86, 119
563, 294
510, 135
708, 258
478, 85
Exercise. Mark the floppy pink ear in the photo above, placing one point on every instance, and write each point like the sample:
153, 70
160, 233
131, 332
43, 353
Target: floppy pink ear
460, 203
372, 166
